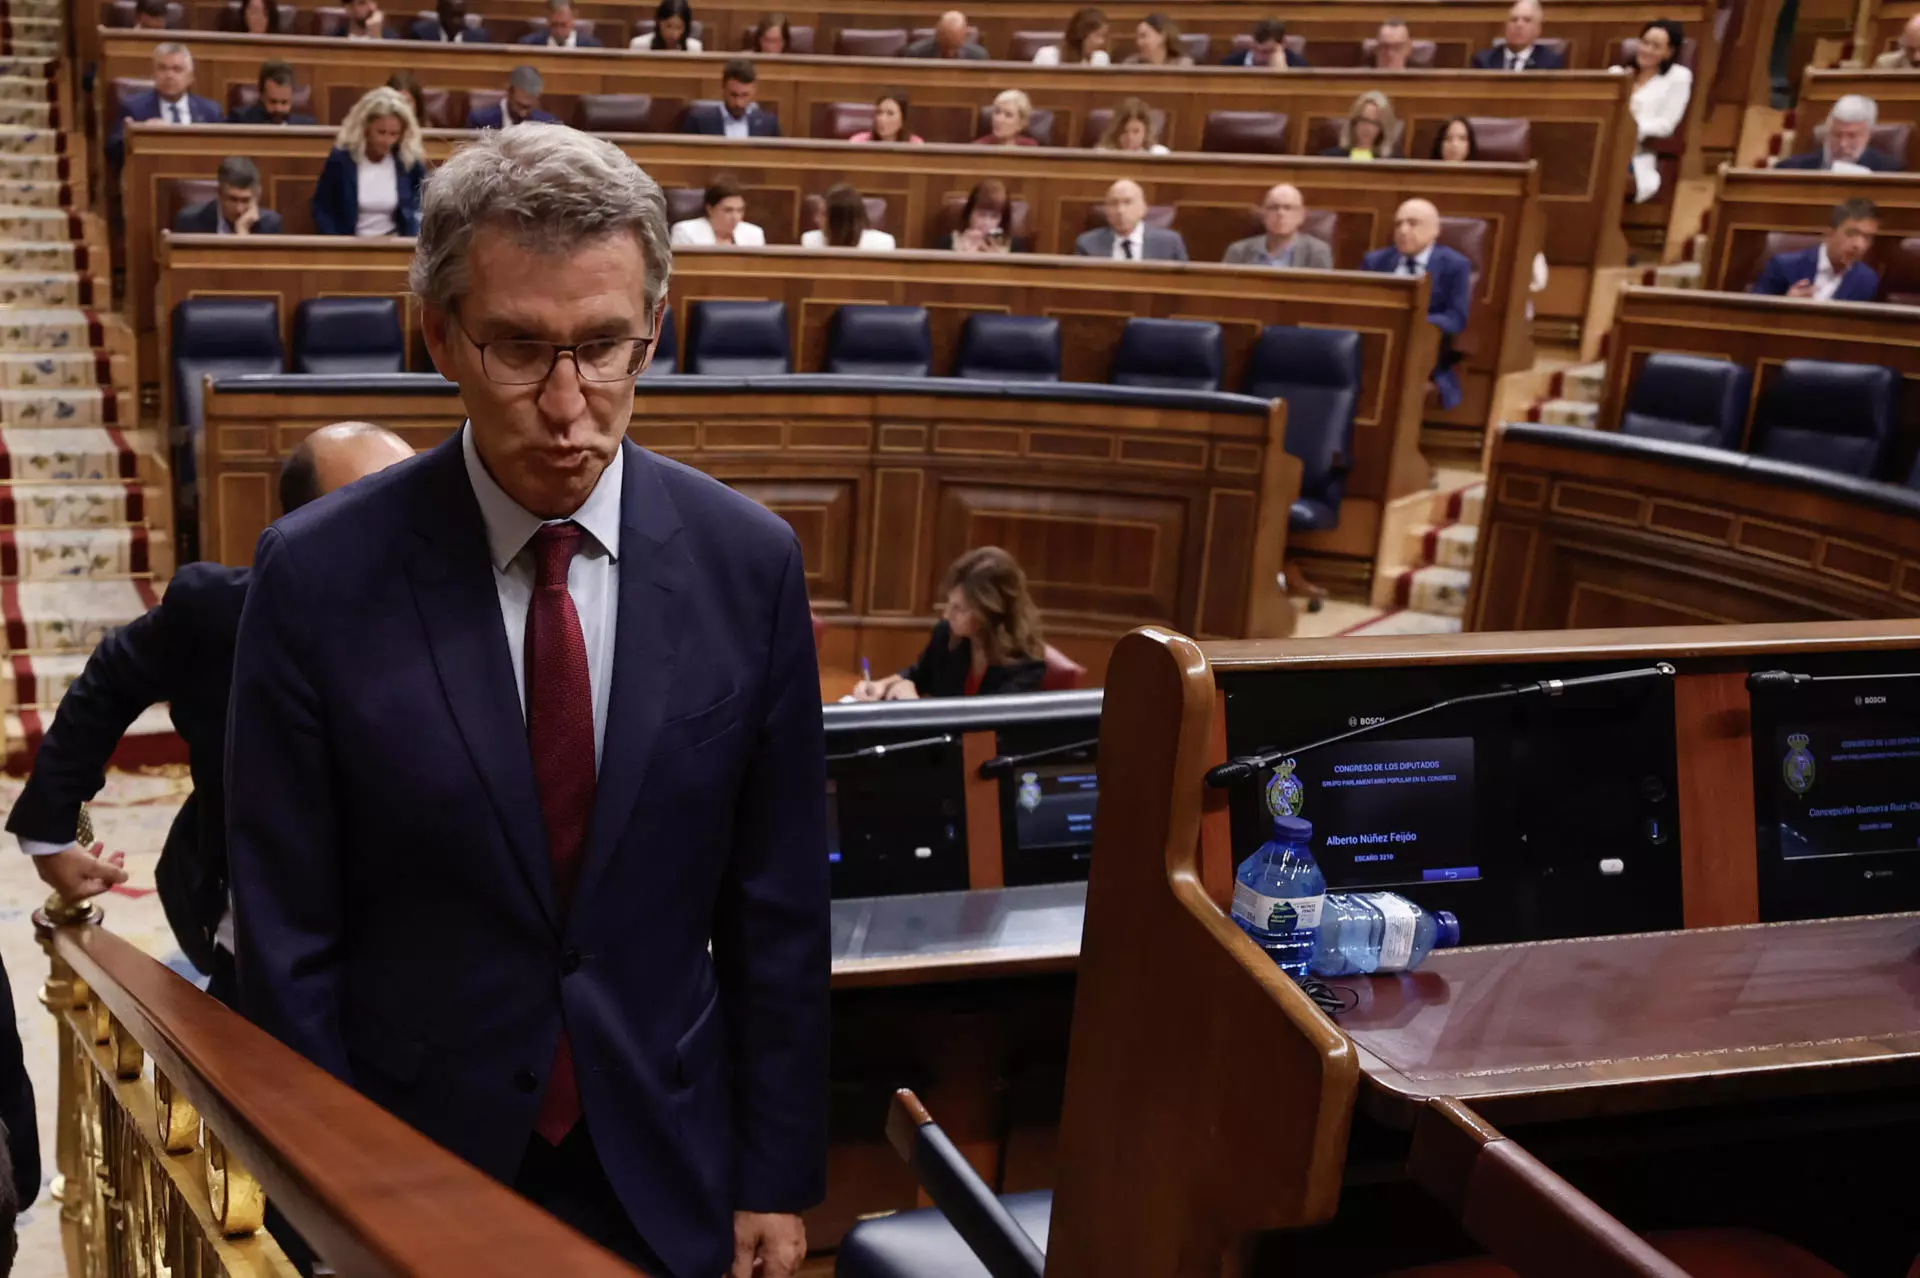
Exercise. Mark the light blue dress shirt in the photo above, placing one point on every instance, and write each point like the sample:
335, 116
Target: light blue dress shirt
593, 580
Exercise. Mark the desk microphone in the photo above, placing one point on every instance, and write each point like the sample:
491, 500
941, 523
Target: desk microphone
1783, 680
1234, 771
894, 747
1008, 762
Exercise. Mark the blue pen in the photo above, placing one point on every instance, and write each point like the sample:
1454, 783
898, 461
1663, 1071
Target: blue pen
866, 671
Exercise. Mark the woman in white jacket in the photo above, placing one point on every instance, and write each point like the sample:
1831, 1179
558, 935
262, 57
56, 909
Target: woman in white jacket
1661, 90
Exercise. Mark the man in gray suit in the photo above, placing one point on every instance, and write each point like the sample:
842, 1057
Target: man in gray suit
1126, 237
949, 40
1284, 244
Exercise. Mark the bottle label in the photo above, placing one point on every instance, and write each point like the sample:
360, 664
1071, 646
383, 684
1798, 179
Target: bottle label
1276, 913
1396, 941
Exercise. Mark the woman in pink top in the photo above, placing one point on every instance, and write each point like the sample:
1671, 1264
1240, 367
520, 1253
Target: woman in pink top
1012, 112
889, 120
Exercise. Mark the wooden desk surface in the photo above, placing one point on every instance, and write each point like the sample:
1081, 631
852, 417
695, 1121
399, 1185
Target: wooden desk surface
1572, 1029
957, 936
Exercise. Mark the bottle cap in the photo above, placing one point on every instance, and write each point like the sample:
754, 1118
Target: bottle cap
1292, 828
1446, 930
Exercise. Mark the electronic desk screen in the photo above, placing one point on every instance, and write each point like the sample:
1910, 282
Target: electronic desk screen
896, 823
1387, 813
1046, 814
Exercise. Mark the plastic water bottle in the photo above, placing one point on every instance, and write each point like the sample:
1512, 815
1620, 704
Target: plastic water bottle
1362, 932
1277, 894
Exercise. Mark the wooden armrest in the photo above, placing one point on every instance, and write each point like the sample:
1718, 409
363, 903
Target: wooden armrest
1517, 1207
988, 1229
1675, 145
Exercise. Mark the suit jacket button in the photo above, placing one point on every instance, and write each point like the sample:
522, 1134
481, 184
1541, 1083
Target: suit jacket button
526, 1080
570, 962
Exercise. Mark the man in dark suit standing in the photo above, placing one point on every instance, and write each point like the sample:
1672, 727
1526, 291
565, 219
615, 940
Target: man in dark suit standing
180, 653
275, 103
1522, 50
1416, 250
449, 25
563, 30
1126, 237
1833, 270
1848, 146
1269, 44
235, 210
521, 105
736, 115
533, 723
170, 100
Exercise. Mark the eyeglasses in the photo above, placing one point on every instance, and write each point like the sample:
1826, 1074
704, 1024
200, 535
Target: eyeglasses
524, 362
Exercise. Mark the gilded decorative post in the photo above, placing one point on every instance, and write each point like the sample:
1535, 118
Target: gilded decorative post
239, 1204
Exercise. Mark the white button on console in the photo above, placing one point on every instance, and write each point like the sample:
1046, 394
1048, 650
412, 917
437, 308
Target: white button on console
1612, 865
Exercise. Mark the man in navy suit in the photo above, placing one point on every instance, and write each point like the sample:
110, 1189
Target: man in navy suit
449, 25
1833, 270
365, 21
736, 115
563, 30
235, 208
170, 100
275, 103
1416, 250
179, 653
526, 758
1269, 42
1848, 146
1522, 50
521, 105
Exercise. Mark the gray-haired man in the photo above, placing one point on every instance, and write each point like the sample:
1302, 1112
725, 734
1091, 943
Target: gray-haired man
521, 105
531, 725
1848, 146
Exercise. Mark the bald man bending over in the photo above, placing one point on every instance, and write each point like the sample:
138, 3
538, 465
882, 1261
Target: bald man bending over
950, 39
1416, 250
1283, 212
180, 652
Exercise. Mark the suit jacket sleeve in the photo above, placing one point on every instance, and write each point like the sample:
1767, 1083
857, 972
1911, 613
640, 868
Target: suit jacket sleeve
16, 1108
937, 643
190, 220
282, 855
771, 931
134, 667
1239, 253
1487, 59
1177, 250
270, 223
1317, 255
333, 198
1773, 279
1088, 245
1452, 295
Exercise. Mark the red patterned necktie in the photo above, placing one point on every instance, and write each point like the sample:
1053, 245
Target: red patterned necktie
560, 735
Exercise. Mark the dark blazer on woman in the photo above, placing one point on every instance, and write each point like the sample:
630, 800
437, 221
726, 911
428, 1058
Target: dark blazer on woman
336, 198
941, 669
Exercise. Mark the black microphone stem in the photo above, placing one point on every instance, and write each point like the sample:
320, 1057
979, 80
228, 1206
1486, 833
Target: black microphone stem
1235, 770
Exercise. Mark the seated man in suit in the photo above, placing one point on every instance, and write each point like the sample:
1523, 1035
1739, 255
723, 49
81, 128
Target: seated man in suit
150, 15
1833, 270
563, 30
1126, 237
1392, 46
275, 104
180, 653
1416, 250
1285, 244
1521, 51
1849, 145
521, 105
170, 100
235, 210
449, 26
1905, 56
949, 40
736, 115
1269, 48
365, 21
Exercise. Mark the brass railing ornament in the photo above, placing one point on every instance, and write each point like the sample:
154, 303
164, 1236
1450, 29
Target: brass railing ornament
239, 1204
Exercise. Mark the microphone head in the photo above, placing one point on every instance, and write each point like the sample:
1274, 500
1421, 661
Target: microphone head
1773, 680
1231, 773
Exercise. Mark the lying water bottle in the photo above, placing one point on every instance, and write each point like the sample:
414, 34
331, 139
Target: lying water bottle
1277, 894
1362, 932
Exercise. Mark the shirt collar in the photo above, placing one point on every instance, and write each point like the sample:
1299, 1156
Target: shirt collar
510, 526
1138, 235
1421, 258
1824, 264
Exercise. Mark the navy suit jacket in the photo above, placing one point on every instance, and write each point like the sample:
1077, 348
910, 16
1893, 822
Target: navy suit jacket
1784, 270
336, 197
254, 113
179, 652
428, 29
1544, 58
1871, 158
395, 905
704, 117
495, 116
1449, 304
146, 106
581, 39
1244, 58
204, 219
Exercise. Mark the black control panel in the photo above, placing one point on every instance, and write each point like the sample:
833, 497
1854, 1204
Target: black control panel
1531, 818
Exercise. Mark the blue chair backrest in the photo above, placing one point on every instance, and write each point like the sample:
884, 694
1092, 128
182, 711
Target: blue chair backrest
1169, 355
880, 341
221, 336
1009, 348
1317, 371
1838, 417
738, 339
666, 351
344, 335
1688, 399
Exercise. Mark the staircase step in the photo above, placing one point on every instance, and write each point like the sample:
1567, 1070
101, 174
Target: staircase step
1570, 412
31, 166
40, 224
38, 681
36, 257
80, 453
52, 328
60, 406
21, 141
1433, 589
1679, 275
1406, 621
1467, 503
96, 554
70, 616
62, 505
1584, 382
1449, 545
15, 114
150, 742
32, 289
58, 370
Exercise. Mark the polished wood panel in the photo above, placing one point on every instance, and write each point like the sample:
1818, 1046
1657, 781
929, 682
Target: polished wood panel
1719, 876
1749, 204
1896, 92
1087, 296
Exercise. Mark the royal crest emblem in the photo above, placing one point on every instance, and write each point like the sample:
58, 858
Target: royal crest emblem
1285, 794
1797, 768
1029, 796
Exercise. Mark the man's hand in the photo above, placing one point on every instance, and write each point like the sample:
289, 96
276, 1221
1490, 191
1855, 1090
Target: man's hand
78, 873
249, 219
1803, 289
375, 21
767, 1245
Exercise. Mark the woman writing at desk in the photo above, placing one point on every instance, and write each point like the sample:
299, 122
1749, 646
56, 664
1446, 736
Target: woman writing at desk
988, 640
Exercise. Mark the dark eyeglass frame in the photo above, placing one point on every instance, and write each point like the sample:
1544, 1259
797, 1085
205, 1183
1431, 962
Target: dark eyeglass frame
638, 359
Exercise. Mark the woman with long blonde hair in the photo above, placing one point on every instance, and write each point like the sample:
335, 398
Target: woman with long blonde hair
1370, 132
371, 182
987, 641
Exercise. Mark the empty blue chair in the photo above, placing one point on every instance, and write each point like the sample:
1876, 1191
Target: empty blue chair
1688, 399
666, 351
738, 339
345, 335
1838, 417
1009, 348
221, 336
880, 341
1317, 371
1169, 355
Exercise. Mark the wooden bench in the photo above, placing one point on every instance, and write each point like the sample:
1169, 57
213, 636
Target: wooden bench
1751, 205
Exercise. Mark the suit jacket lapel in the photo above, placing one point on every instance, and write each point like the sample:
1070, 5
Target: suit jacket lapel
646, 648
453, 587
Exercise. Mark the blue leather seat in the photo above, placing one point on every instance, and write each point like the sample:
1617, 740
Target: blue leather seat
666, 351
738, 339
880, 341
1838, 417
1009, 348
922, 1244
1317, 371
1169, 355
345, 335
222, 336
1688, 399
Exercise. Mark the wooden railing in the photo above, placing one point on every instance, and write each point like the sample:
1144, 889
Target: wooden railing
167, 1170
